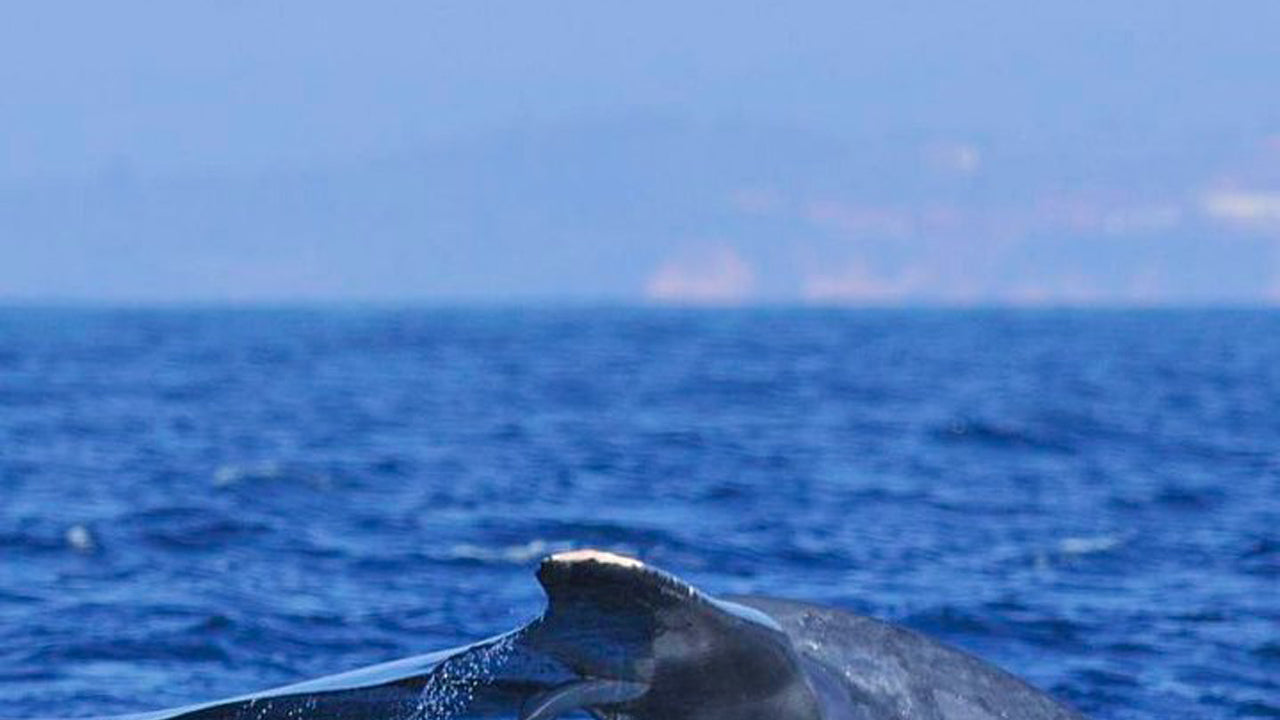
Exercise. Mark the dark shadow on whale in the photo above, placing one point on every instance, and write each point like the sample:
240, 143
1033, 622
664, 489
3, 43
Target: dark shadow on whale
620, 640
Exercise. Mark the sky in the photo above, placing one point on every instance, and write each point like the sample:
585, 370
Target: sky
721, 153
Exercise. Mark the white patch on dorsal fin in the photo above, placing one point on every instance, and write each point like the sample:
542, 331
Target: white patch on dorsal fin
608, 580
600, 556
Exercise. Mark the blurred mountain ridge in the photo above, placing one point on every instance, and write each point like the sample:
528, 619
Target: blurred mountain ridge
646, 206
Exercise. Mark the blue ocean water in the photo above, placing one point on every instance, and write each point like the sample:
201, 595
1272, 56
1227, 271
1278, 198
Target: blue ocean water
200, 503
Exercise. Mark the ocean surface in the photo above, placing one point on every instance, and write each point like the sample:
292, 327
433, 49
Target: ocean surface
200, 503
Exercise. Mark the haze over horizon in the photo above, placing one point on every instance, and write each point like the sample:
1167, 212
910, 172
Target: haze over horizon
720, 154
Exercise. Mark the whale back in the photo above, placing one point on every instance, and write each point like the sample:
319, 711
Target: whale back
867, 669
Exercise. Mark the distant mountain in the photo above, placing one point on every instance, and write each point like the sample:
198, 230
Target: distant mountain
678, 212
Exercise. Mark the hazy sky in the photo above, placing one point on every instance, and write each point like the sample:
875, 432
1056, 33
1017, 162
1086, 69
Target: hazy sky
163, 95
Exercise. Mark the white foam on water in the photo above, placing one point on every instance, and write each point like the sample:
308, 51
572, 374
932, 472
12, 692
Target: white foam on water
80, 539
228, 475
1090, 545
513, 554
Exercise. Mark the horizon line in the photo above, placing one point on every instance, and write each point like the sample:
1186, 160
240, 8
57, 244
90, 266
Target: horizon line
607, 303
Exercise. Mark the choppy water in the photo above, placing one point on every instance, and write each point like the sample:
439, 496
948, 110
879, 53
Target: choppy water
201, 503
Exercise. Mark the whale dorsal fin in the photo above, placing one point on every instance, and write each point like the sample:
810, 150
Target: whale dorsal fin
648, 645
615, 582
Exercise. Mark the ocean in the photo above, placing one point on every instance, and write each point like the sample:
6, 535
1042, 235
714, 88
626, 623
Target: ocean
203, 502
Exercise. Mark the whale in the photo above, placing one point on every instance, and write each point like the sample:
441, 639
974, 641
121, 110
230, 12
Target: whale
622, 640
